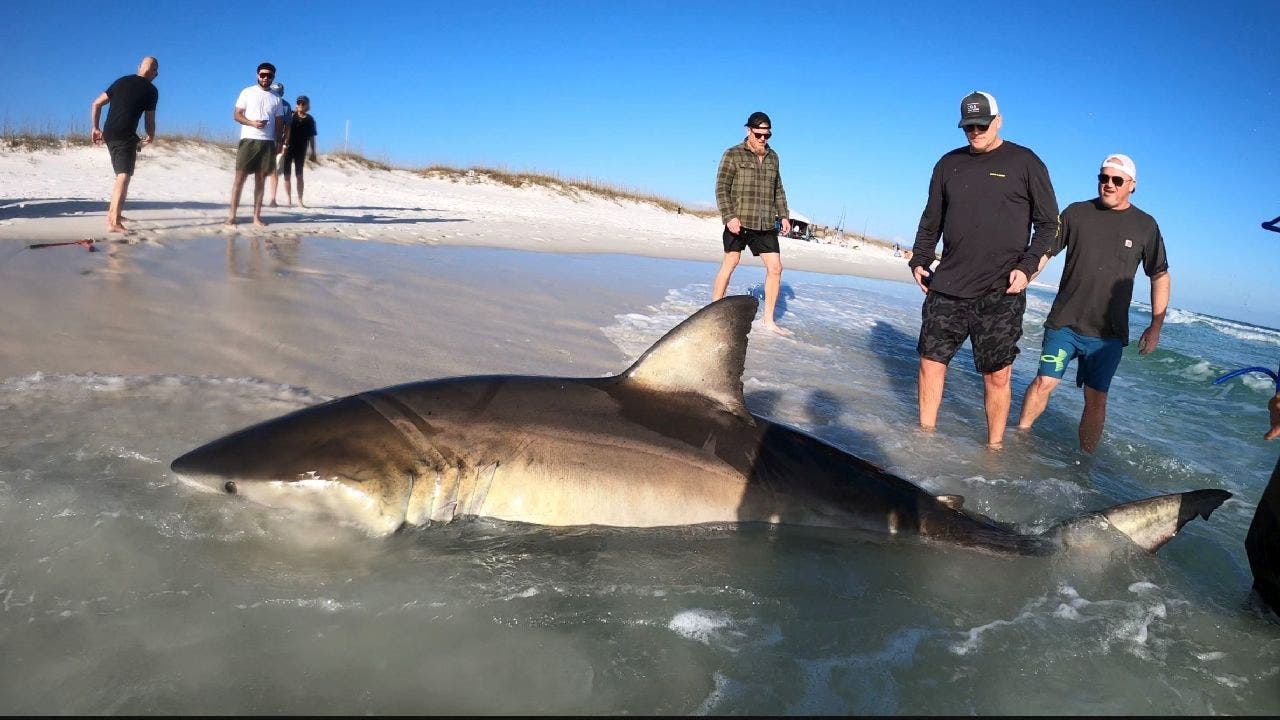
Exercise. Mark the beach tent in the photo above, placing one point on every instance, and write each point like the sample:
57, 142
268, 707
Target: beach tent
799, 224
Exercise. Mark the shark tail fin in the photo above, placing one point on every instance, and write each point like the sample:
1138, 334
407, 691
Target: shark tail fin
1155, 521
704, 355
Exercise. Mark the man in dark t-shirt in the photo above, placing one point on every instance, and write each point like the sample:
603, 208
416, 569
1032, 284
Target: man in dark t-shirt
1106, 239
984, 201
130, 97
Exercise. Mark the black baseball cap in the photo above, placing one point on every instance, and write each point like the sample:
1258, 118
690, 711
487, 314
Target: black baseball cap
758, 119
978, 108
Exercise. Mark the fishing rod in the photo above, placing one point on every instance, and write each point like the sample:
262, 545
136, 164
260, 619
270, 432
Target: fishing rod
87, 244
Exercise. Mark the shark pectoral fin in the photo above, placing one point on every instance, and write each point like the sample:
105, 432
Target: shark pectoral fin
704, 355
1155, 521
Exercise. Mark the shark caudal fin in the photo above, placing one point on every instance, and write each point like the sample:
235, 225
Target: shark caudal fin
1149, 523
703, 355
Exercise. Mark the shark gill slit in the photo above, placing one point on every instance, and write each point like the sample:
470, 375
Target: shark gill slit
412, 426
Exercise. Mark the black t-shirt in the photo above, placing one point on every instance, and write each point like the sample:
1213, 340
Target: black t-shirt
301, 130
984, 206
130, 96
1104, 248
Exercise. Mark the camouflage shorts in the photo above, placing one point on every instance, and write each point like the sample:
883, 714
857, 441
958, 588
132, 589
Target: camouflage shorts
992, 322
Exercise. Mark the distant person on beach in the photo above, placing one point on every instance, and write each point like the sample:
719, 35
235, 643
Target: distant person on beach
277, 89
300, 137
984, 198
751, 198
1262, 544
259, 112
131, 97
1106, 239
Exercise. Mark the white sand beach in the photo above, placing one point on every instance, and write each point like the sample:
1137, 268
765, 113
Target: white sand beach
153, 300
183, 192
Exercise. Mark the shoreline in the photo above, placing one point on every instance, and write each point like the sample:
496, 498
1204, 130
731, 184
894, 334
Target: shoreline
182, 192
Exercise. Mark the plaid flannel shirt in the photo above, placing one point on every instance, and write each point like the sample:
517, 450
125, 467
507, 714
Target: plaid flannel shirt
749, 188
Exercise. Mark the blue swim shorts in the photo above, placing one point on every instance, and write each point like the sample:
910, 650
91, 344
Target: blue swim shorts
1099, 357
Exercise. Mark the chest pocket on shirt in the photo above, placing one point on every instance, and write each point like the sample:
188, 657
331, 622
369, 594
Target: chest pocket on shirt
1128, 252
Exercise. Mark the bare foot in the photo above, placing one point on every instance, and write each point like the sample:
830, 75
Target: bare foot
273, 204
230, 221
301, 204
258, 221
778, 329
117, 228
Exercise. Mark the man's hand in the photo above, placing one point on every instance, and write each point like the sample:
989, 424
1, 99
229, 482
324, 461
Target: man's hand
1274, 407
96, 136
1017, 282
734, 226
1149, 340
920, 274
786, 226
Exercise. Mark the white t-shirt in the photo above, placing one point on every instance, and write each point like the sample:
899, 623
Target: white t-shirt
258, 104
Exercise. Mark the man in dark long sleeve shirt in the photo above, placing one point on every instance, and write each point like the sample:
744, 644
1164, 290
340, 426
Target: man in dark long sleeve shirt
984, 200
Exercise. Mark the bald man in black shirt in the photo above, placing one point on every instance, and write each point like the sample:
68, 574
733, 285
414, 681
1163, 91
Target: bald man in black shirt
130, 97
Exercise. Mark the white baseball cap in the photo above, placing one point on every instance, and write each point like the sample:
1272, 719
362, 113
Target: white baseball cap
1123, 163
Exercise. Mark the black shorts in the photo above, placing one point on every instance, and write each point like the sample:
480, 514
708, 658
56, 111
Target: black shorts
993, 322
760, 241
124, 155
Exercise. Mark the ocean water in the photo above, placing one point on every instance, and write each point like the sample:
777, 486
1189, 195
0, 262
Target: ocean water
123, 591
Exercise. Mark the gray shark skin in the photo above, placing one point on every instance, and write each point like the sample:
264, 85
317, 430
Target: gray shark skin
669, 442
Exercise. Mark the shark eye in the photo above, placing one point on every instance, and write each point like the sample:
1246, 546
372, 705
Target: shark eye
230, 487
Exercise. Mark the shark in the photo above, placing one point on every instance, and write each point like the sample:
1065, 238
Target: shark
667, 442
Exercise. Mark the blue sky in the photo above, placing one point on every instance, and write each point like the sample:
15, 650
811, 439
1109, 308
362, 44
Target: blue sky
864, 97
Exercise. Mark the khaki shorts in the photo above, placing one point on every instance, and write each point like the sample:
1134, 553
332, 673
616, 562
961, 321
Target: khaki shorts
256, 155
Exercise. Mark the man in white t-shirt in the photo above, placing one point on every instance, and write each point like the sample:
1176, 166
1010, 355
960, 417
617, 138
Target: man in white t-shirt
260, 114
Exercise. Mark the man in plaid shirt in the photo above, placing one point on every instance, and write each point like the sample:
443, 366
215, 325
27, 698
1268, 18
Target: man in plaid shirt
750, 195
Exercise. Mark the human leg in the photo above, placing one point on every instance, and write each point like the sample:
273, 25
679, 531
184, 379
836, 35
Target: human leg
727, 266
772, 286
237, 185
118, 196
1036, 400
996, 398
259, 185
275, 179
1262, 543
1057, 349
932, 378
299, 164
1092, 419
944, 326
124, 155
996, 327
1098, 364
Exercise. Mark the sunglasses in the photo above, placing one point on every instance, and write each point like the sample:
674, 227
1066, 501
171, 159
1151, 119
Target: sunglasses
266, 75
762, 135
1116, 180
976, 128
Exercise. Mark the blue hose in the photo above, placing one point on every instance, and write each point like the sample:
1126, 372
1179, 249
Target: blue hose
1243, 371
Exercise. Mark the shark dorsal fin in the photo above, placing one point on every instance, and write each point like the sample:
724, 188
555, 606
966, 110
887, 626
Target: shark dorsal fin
703, 355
